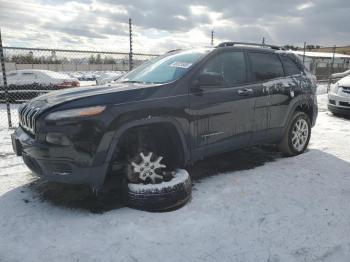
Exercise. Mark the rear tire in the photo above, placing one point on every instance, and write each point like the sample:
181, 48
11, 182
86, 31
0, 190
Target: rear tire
297, 135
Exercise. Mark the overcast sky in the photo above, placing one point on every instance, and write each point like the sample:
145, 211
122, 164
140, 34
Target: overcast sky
160, 25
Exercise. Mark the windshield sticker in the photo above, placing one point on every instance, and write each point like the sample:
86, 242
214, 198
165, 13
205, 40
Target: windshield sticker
181, 64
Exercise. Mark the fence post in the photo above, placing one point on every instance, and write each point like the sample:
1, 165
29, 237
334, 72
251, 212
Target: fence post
2, 58
330, 71
130, 46
212, 37
304, 53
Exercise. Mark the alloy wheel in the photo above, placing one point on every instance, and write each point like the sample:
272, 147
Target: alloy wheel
300, 133
148, 168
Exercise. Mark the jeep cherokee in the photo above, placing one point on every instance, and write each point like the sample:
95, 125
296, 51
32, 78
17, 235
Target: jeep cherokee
175, 109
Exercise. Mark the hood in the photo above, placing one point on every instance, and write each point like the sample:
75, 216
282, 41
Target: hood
58, 97
345, 81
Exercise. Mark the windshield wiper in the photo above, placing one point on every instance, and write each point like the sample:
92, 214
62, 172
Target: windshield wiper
132, 81
140, 82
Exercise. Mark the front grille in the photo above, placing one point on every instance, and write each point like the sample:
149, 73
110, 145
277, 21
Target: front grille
346, 89
27, 117
344, 104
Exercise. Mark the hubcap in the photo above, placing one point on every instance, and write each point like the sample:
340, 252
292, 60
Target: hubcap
146, 169
300, 133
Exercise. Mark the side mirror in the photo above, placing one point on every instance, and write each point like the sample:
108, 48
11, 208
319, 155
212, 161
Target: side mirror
210, 79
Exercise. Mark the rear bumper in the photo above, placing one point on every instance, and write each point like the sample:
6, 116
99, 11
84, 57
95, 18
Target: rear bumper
46, 161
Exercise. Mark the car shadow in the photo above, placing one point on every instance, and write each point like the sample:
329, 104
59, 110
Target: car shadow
76, 196
343, 117
243, 159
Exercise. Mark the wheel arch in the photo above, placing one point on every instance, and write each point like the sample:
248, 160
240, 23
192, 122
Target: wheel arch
301, 105
172, 123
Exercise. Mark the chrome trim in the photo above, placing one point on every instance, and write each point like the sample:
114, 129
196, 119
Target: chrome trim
27, 117
212, 134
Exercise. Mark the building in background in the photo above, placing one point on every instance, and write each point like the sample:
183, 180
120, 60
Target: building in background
319, 63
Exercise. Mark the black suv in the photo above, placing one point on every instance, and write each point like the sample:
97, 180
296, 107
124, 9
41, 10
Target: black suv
169, 112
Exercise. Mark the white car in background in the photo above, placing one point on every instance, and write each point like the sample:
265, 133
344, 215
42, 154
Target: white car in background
339, 97
43, 78
26, 84
108, 77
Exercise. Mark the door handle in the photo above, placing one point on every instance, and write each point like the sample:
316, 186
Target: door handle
245, 91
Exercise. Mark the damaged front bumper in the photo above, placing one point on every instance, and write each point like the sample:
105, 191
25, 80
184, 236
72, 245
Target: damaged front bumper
48, 162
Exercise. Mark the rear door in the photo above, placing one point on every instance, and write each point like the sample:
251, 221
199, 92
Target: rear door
288, 89
222, 115
268, 76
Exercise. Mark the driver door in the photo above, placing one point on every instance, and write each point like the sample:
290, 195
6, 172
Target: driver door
222, 112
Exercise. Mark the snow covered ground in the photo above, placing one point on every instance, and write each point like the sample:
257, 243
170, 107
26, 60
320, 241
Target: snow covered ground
250, 205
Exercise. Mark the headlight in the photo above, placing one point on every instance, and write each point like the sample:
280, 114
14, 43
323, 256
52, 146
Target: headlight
57, 138
78, 112
334, 88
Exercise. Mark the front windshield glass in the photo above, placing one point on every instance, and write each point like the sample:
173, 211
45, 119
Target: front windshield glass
166, 68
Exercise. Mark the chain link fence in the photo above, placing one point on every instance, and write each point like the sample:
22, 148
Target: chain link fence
28, 72
322, 69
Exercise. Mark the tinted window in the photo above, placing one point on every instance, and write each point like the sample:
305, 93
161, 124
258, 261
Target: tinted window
231, 65
266, 66
290, 67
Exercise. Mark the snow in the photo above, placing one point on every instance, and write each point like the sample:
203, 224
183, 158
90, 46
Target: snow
342, 74
250, 205
345, 81
320, 54
179, 176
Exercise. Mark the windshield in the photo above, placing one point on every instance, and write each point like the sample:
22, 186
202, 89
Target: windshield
166, 68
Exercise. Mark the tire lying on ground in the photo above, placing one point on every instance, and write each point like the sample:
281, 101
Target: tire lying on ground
163, 196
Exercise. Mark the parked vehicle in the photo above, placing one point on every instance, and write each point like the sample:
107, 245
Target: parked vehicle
339, 97
87, 76
29, 83
108, 77
168, 113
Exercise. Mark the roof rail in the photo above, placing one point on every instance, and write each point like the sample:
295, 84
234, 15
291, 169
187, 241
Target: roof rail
275, 47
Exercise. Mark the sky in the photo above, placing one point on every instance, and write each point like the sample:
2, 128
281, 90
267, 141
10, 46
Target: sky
161, 25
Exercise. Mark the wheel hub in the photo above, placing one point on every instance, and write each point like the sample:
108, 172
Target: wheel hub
300, 133
146, 169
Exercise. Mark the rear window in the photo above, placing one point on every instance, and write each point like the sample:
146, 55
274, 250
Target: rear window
290, 67
265, 66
